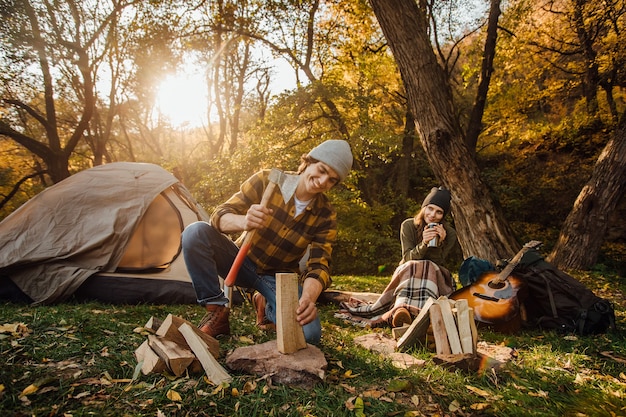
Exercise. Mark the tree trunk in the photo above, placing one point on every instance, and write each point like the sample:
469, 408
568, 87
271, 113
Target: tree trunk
585, 227
475, 125
402, 185
480, 224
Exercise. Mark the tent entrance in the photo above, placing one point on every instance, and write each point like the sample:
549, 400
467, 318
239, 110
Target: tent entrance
155, 243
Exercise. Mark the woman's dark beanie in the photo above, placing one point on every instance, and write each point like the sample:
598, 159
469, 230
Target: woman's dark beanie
440, 197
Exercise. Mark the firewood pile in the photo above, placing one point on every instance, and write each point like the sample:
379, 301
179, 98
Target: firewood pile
177, 346
451, 324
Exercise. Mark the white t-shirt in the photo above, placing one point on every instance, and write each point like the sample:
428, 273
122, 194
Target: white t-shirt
300, 205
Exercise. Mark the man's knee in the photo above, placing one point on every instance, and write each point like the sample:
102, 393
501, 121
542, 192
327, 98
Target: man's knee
194, 231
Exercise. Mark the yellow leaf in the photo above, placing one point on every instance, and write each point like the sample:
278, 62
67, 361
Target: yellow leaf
234, 392
1, 387
358, 407
173, 395
478, 391
249, 386
479, 406
31, 389
348, 374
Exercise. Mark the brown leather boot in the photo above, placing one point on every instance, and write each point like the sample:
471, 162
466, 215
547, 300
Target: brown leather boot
401, 317
215, 321
258, 301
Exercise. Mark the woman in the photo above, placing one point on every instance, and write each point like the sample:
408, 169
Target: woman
285, 231
427, 244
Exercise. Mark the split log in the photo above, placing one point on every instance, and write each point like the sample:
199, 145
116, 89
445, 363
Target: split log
176, 357
418, 328
150, 361
439, 330
452, 332
214, 371
465, 329
169, 329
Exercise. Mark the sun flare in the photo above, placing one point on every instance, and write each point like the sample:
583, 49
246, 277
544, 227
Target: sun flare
182, 100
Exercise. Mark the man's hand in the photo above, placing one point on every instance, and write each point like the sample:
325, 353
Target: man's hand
307, 310
256, 217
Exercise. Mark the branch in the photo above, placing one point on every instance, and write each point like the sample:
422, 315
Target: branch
16, 187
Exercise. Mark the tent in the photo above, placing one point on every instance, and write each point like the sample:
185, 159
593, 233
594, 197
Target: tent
110, 233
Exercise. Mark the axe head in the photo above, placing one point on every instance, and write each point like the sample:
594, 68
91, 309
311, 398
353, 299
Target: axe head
287, 183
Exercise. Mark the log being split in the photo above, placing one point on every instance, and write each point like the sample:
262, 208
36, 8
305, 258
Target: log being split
289, 333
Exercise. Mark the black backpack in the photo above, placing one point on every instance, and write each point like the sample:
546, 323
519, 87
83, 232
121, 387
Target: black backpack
557, 301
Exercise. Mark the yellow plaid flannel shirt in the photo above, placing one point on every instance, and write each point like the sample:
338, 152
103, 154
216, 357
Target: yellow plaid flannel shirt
280, 246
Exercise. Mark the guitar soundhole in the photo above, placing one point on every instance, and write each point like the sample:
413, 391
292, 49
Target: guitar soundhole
496, 285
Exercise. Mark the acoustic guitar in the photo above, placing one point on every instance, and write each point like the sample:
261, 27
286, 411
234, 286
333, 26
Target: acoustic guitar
495, 296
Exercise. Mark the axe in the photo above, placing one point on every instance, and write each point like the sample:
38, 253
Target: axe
287, 184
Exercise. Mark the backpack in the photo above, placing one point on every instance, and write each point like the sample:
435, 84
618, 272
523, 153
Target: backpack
557, 301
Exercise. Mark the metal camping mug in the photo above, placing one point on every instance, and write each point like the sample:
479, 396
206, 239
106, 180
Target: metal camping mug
433, 242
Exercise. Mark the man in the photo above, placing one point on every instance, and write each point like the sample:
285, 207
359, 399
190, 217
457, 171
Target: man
284, 233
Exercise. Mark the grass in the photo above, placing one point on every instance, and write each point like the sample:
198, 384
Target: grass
78, 360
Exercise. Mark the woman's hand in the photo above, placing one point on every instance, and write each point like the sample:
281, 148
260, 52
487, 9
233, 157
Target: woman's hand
431, 232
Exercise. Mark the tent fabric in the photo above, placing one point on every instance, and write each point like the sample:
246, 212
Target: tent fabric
88, 225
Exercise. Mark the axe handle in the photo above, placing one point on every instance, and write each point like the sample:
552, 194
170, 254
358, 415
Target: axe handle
247, 242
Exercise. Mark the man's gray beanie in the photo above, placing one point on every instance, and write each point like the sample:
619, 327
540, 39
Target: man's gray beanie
336, 154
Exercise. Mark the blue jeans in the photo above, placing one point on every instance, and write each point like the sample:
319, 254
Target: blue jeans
209, 255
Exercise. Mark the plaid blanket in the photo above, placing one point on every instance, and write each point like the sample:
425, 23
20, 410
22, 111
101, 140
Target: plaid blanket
412, 283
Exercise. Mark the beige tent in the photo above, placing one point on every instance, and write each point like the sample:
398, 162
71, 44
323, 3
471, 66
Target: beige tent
110, 233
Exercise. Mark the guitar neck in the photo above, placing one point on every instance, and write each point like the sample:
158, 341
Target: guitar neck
504, 274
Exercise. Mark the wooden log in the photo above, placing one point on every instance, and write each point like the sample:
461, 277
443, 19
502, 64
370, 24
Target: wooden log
474, 328
450, 325
169, 330
289, 333
418, 328
439, 330
214, 371
397, 332
150, 361
177, 357
463, 323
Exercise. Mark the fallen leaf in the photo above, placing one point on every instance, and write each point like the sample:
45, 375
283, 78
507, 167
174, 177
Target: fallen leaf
249, 386
398, 385
454, 406
31, 389
174, 396
348, 374
478, 391
358, 407
479, 406
373, 394
350, 403
349, 389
